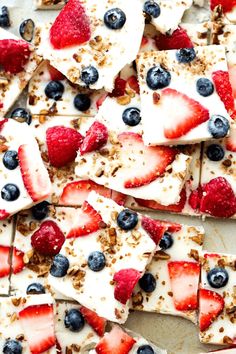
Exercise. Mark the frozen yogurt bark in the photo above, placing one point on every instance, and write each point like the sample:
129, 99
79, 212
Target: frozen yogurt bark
170, 284
24, 179
6, 234
217, 299
49, 4
94, 56
171, 79
101, 250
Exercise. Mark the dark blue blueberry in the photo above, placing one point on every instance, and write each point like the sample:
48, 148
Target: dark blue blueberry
54, 90
166, 241
185, 55
215, 152
40, 211
205, 87
127, 219
152, 9
89, 75
217, 277
218, 126
4, 17
12, 346
158, 78
96, 261
131, 116
35, 288
21, 115
114, 19
74, 320
82, 102
27, 30
59, 266
145, 349
147, 283
10, 192
10, 159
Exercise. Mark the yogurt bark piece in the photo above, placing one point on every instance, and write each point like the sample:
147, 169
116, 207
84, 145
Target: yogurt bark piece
170, 284
29, 322
217, 299
170, 79
24, 179
18, 61
6, 233
98, 251
49, 4
94, 57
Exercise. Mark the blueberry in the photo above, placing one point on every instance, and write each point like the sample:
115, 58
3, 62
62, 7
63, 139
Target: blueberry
147, 283
114, 19
40, 211
96, 261
218, 126
12, 346
82, 102
158, 78
4, 17
145, 349
131, 116
152, 8
10, 159
27, 30
59, 266
10, 192
166, 241
127, 219
35, 288
217, 277
74, 320
21, 115
215, 152
185, 55
89, 75
205, 87
54, 90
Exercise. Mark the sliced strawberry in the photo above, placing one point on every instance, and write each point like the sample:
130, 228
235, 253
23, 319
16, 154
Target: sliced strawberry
227, 5
63, 144
115, 342
100, 100
118, 197
54, 73
125, 280
211, 255
89, 221
119, 89
224, 89
185, 115
144, 41
38, 324
143, 164
2, 122
71, 27
173, 208
154, 228
177, 40
96, 137
230, 142
96, 322
232, 78
14, 55
132, 81
211, 304
4, 214
75, 193
34, 174
17, 261
184, 278
4, 261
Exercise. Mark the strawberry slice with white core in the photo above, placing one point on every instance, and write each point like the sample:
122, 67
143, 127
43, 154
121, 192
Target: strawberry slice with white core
230, 142
181, 113
184, 278
96, 322
211, 304
17, 261
232, 78
115, 342
4, 261
154, 228
143, 164
38, 325
34, 173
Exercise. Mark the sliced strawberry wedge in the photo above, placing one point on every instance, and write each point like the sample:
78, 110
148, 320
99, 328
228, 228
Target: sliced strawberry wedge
115, 342
125, 280
182, 113
222, 83
143, 164
184, 278
75, 193
232, 78
118, 197
96, 322
4, 261
211, 304
54, 73
96, 137
230, 142
154, 228
38, 325
4, 214
17, 261
34, 174
88, 221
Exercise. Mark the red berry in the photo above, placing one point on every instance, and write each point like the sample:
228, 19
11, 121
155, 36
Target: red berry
14, 55
125, 279
224, 89
119, 89
96, 137
179, 39
227, 5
